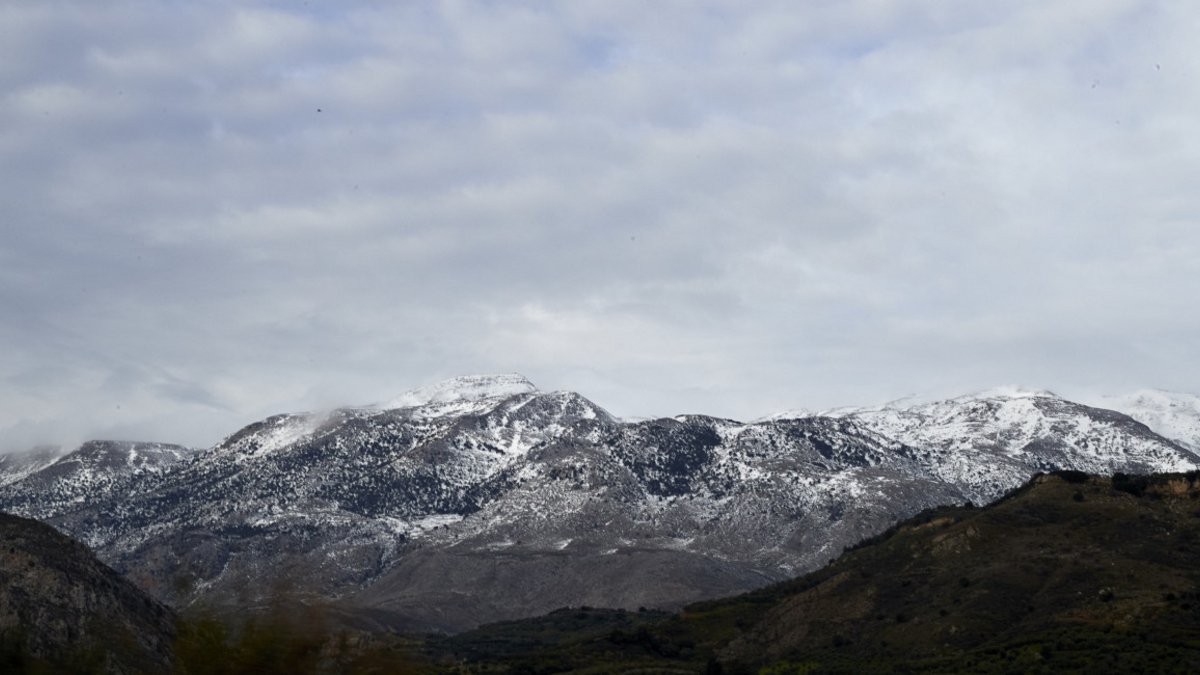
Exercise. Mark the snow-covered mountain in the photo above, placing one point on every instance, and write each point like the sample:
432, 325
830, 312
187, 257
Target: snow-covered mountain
987, 442
1175, 415
483, 498
94, 472
16, 466
462, 395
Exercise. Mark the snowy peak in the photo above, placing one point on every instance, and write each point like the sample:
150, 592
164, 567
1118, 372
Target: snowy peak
462, 392
107, 457
94, 471
1008, 392
269, 435
989, 441
128, 456
914, 401
1175, 415
18, 465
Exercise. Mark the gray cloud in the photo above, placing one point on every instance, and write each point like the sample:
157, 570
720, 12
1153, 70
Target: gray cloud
214, 212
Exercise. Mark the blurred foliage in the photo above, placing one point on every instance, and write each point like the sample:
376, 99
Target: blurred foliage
289, 637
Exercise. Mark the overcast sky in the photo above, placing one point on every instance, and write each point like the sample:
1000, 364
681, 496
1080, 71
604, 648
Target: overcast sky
214, 211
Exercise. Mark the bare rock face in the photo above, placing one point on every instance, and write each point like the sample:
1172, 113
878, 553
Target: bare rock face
63, 609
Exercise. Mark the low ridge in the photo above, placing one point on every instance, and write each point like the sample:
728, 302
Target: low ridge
62, 610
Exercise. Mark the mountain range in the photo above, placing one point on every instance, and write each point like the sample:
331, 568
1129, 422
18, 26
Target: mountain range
482, 498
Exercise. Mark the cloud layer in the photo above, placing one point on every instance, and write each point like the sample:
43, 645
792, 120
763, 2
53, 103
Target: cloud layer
215, 211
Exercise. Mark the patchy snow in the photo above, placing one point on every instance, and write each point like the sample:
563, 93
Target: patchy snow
1008, 391
419, 526
989, 441
287, 430
463, 393
18, 465
436, 520
793, 414
546, 472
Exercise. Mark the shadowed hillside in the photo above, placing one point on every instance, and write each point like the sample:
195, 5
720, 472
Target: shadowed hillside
1069, 573
62, 610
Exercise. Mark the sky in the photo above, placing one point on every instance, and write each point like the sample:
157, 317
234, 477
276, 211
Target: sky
215, 211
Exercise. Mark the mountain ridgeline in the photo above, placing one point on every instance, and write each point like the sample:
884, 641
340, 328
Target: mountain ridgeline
484, 499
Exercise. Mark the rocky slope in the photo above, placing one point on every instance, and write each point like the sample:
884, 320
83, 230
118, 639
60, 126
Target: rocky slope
1070, 573
483, 498
62, 610
95, 472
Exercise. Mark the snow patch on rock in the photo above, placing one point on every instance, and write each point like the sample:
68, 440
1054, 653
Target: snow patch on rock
470, 388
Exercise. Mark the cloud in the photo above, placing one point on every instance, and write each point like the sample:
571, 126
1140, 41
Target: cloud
220, 211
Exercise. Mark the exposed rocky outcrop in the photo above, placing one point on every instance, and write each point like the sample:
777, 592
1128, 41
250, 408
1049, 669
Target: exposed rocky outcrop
62, 609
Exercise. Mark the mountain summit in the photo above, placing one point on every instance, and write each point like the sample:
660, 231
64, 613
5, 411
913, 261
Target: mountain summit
464, 391
1175, 415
